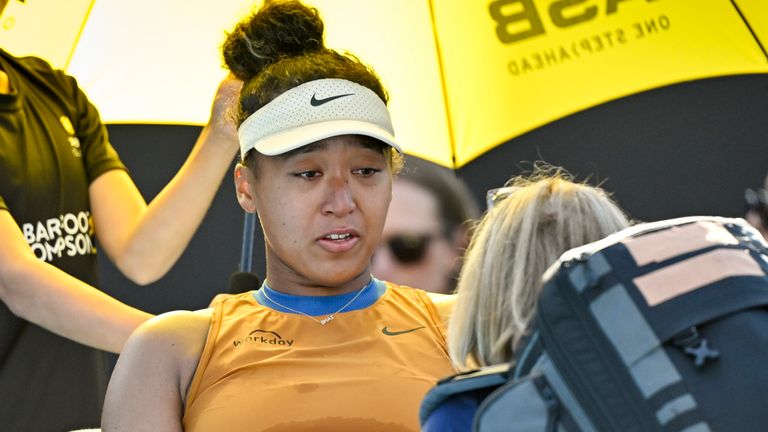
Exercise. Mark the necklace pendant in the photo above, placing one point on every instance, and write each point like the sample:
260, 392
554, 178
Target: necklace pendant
326, 320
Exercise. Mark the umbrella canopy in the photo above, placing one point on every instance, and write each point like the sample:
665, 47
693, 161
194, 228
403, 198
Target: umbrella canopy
463, 77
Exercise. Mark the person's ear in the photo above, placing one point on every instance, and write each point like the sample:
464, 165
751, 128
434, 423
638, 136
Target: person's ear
244, 181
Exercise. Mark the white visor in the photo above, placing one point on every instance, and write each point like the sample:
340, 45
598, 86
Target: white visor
314, 111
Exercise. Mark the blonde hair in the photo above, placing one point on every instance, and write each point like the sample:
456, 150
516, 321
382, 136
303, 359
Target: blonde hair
514, 243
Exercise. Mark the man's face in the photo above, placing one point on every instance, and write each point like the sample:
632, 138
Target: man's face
415, 250
757, 209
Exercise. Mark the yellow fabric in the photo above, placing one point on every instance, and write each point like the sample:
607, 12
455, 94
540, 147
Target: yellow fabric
755, 13
511, 66
463, 76
266, 370
44, 29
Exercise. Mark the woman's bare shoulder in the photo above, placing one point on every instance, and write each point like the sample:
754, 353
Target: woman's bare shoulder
173, 330
156, 366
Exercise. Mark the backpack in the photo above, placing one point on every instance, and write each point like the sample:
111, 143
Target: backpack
660, 327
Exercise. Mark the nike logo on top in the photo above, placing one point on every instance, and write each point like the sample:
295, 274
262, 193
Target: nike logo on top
317, 102
389, 332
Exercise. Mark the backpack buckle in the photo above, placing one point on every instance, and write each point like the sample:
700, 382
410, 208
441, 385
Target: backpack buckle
696, 347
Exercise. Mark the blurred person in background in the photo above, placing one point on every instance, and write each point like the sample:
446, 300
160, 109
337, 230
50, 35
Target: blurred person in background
757, 208
427, 228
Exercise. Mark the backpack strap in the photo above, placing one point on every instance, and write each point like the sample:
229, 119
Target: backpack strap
487, 377
528, 356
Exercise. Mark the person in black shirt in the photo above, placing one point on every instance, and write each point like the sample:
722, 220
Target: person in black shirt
61, 185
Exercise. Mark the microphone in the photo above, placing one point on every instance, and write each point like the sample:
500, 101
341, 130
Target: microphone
240, 282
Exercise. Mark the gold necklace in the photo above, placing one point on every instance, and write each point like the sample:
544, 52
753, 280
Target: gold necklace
328, 318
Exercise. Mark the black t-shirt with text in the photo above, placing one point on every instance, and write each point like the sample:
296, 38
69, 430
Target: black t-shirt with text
52, 146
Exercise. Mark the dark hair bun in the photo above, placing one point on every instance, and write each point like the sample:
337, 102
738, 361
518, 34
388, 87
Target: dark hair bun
279, 29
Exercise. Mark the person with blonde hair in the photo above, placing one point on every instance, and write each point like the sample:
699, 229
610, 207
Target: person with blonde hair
531, 222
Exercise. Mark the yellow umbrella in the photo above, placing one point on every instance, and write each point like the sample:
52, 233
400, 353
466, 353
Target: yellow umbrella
463, 76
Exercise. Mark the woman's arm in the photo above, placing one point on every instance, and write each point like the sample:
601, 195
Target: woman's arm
144, 241
149, 384
42, 294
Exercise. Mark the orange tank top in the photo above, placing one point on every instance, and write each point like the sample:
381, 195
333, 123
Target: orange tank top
367, 370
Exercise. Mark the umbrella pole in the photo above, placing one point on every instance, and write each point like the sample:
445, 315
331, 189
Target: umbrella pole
246, 254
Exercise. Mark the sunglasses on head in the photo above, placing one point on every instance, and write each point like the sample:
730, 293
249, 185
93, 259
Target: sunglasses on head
497, 195
409, 248
757, 201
